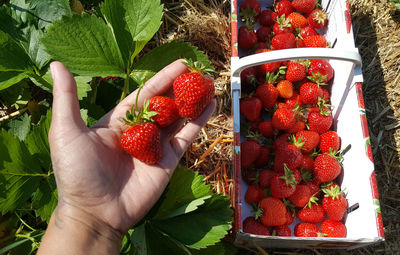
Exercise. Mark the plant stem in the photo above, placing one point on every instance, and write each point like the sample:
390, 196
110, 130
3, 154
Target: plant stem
126, 88
13, 114
23, 222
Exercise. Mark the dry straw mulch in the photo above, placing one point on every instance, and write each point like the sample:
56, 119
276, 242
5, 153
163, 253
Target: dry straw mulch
205, 23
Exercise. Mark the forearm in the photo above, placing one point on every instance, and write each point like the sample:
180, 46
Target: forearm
75, 232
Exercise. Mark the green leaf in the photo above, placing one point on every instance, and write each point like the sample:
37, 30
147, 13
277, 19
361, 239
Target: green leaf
20, 127
16, 95
134, 22
12, 56
86, 45
221, 248
38, 143
7, 79
45, 199
183, 189
9, 24
22, 13
20, 173
34, 48
203, 227
158, 58
14, 245
49, 10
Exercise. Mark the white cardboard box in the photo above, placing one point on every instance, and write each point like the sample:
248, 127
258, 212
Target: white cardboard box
364, 222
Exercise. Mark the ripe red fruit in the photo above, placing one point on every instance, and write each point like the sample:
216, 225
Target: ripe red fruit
248, 79
309, 93
280, 141
254, 194
332, 228
282, 25
251, 9
283, 118
251, 108
267, 18
284, 7
307, 31
252, 226
166, 109
326, 96
335, 205
329, 142
326, 168
265, 178
263, 34
249, 152
193, 91
316, 41
314, 187
299, 126
320, 121
283, 185
297, 20
273, 212
295, 71
142, 141
304, 6
263, 158
282, 230
294, 100
288, 155
266, 129
247, 38
267, 68
312, 213
250, 177
305, 229
285, 89
318, 18
308, 163
268, 95
320, 70
283, 41
309, 140
301, 196
289, 217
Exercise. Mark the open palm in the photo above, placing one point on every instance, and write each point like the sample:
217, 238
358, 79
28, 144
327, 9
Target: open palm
93, 172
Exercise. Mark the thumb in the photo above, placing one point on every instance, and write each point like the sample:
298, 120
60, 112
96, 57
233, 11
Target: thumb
66, 112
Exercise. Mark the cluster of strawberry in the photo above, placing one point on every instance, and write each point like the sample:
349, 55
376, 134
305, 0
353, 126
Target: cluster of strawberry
193, 92
291, 25
291, 158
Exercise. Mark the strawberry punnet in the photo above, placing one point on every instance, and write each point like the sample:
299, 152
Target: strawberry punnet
194, 90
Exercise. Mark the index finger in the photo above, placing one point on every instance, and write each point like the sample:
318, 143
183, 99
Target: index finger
157, 85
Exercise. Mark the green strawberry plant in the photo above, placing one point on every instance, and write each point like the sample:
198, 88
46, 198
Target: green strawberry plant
188, 218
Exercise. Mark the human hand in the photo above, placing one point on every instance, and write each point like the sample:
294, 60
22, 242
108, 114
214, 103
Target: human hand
95, 176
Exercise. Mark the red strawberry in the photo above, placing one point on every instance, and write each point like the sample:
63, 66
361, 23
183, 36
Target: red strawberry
295, 71
142, 141
297, 20
309, 93
309, 140
268, 95
283, 118
248, 79
193, 91
289, 217
166, 109
332, 228
307, 31
266, 129
320, 121
284, 7
320, 71
300, 43
267, 18
265, 178
299, 126
263, 158
304, 6
314, 187
249, 152
250, 177
294, 100
263, 34
282, 25
318, 18
282, 230
315, 41
273, 212
254, 194
312, 213
262, 46
326, 168
247, 38
305, 229
329, 142
301, 196
252, 226
267, 68
283, 185
335, 205
288, 155
280, 141
250, 9
283, 41
326, 96
254, 125
251, 108
308, 163
285, 89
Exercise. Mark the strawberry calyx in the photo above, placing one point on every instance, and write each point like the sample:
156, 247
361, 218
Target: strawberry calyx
271, 77
248, 16
289, 206
320, 16
318, 78
134, 117
257, 211
296, 141
289, 177
323, 107
283, 21
333, 191
198, 67
305, 175
313, 200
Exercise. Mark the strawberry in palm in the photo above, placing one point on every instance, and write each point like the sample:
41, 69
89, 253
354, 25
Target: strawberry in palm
167, 112
194, 90
142, 138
